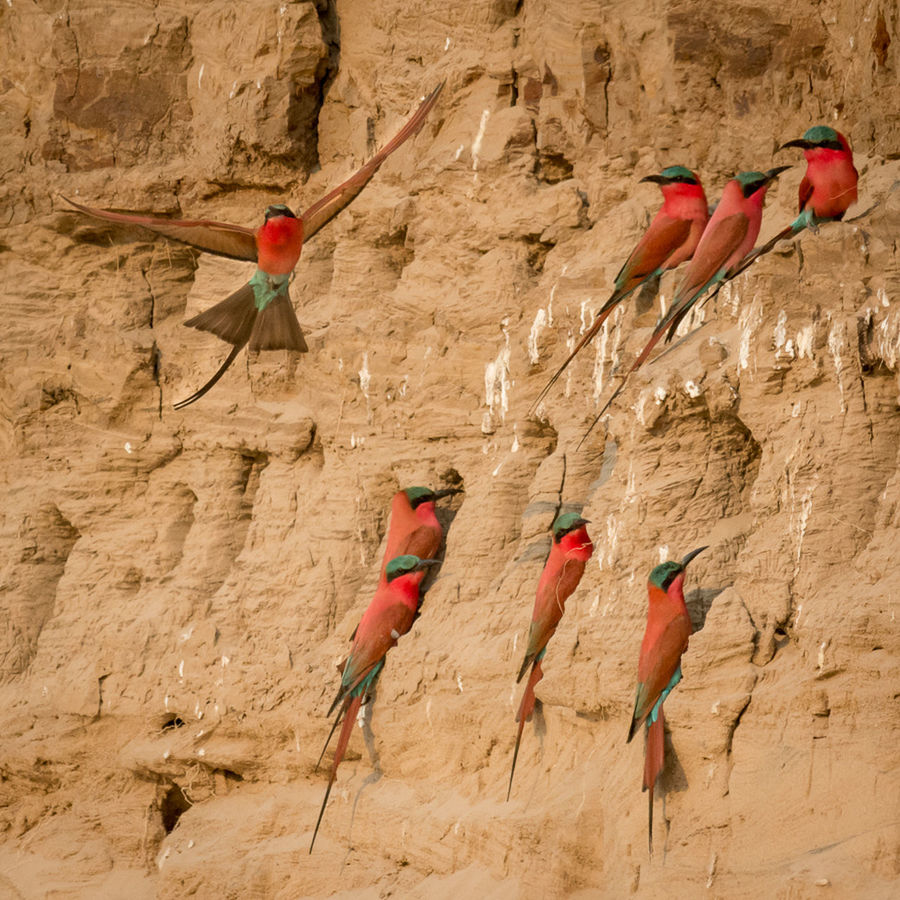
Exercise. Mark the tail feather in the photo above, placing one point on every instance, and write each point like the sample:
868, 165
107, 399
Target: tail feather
349, 711
754, 255
277, 327
334, 725
232, 319
219, 373
654, 756
526, 708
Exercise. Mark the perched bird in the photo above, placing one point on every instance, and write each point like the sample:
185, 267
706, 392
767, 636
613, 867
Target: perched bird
414, 527
670, 240
388, 617
827, 190
260, 313
659, 666
569, 552
726, 240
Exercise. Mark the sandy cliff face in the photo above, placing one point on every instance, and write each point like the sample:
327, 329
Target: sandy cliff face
177, 587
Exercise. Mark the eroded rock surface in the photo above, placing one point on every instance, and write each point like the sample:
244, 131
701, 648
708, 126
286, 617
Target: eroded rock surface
177, 587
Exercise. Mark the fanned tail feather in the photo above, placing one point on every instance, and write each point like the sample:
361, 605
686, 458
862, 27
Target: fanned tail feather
277, 327
232, 319
654, 752
219, 373
349, 711
526, 708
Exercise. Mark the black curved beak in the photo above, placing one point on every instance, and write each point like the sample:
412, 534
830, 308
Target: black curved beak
803, 145
448, 492
692, 554
772, 174
425, 563
656, 179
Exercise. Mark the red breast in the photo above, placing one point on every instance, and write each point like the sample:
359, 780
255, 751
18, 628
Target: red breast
278, 244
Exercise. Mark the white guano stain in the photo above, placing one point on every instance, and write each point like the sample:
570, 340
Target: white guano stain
365, 377
586, 313
804, 342
200, 75
479, 138
540, 322
600, 361
497, 385
835, 342
749, 321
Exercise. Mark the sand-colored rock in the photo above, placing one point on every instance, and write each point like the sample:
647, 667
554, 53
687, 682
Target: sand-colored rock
176, 587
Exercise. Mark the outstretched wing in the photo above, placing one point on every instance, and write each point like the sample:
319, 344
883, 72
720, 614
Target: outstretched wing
324, 210
232, 241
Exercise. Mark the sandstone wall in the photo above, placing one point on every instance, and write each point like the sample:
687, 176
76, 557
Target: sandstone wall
176, 587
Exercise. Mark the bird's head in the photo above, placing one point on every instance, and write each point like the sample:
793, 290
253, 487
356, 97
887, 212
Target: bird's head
820, 137
665, 573
419, 495
406, 565
751, 182
569, 533
278, 210
674, 175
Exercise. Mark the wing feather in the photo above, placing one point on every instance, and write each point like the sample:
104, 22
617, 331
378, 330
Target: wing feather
324, 210
231, 241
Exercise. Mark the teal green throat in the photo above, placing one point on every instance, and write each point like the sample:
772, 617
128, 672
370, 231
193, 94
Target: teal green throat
267, 288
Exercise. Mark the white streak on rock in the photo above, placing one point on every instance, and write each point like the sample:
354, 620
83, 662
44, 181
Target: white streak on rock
804, 342
479, 138
540, 321
365, 377
600, 360
750, 319
835, 341
496, 386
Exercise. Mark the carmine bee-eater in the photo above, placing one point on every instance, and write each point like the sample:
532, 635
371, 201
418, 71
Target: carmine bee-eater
659, 666
726, 240
569, 552
414, 530
260, 313
414, 527
827, 190
670, 240
388, 617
